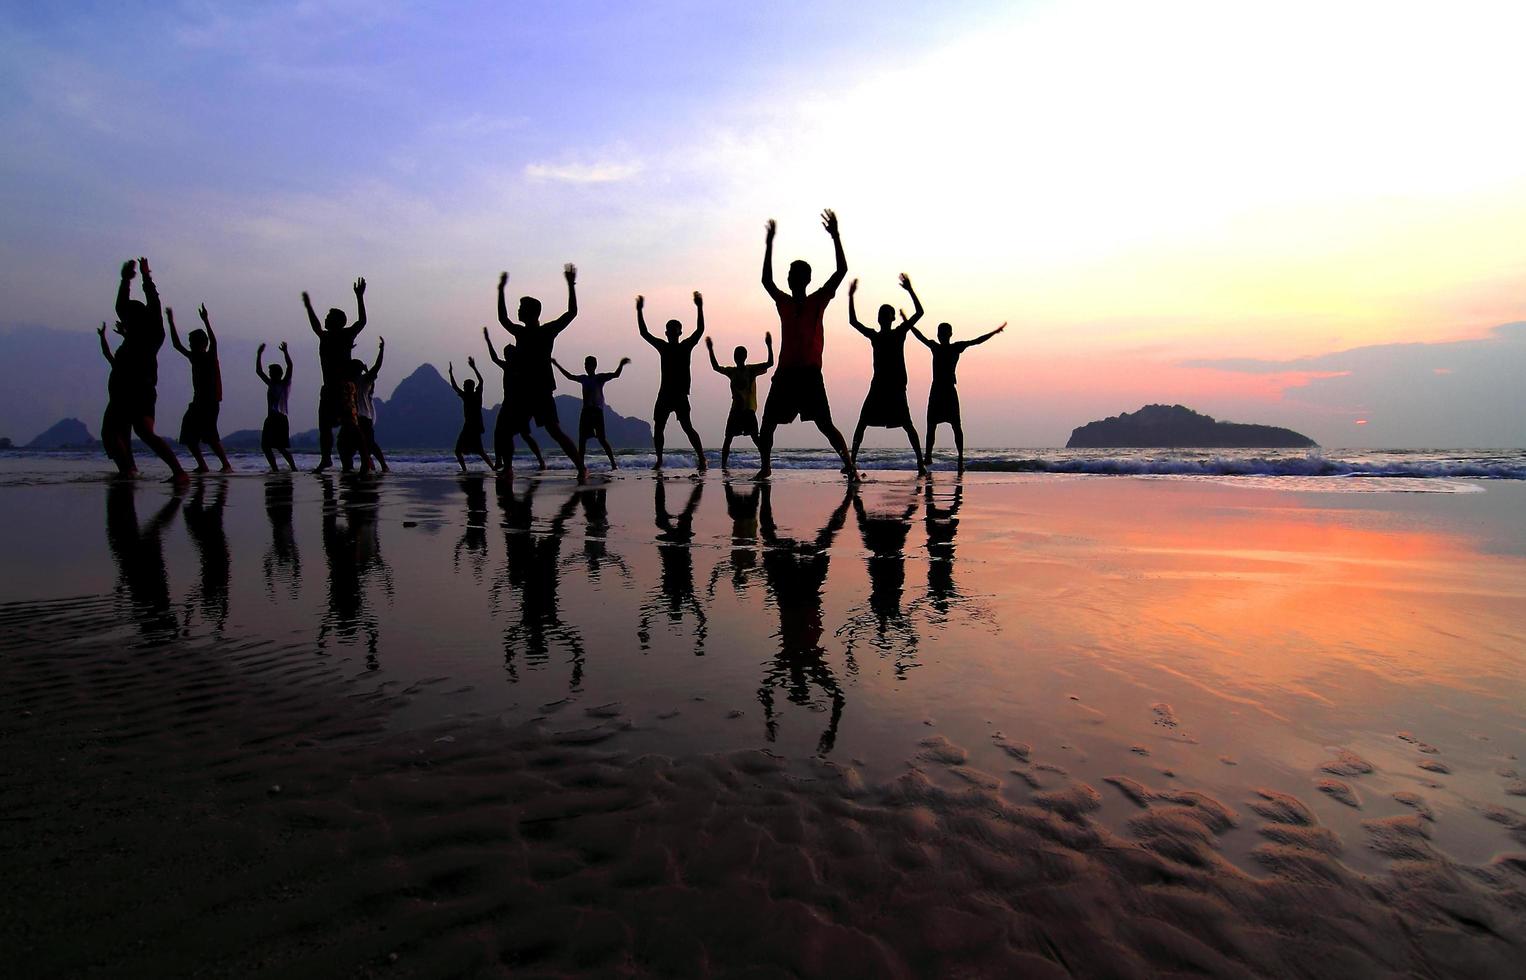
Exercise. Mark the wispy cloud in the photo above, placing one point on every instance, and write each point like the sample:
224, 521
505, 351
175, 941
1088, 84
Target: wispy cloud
603, 172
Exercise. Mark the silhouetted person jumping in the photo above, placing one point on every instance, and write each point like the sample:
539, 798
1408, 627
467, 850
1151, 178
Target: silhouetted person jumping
142, 327
591, 419
199, 425
742, 420
365, 406
943, 396
673, 391
532, 362
470, 393
276, 434
512, 420
885, 405
798, 389
335, 341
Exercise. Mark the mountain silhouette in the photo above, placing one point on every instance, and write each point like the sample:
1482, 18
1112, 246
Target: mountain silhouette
1178, 427
64, 434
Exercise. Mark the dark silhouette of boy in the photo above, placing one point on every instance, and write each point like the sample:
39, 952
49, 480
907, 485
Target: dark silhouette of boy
335, 341
512, 420
591, 418
470, 393
199, 425
885, 405
275, 435
141, 324
943, 395
532, 362
673, 392
742, 420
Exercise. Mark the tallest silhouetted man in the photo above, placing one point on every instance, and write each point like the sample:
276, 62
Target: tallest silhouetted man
798, 389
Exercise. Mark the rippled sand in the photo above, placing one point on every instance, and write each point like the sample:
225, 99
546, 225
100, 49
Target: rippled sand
1013, 726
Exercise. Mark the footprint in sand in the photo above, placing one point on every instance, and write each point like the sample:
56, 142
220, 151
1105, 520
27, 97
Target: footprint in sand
1339, 791
1346, 763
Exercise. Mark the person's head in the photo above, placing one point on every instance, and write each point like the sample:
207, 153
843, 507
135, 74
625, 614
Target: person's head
136, 313
741, 355
358, 369
590, 364
335, 320
468, 386
887, 316
508, 351
674, 328
529, 310
198, 340
799, 275
945, 332
276, 373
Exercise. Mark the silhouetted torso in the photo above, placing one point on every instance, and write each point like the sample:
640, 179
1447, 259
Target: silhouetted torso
801, 332
889, 356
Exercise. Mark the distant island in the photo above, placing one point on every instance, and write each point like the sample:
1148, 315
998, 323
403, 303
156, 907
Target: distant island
1178, 427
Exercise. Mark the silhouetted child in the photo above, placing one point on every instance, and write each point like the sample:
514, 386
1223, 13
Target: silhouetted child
350, 442
534, 383
335, 341
943, 395
470, 393
742, 420
276, 433
142, 327
513, 419
116, 423
885, 405
591, 420
365, 405
673, 391
199, 425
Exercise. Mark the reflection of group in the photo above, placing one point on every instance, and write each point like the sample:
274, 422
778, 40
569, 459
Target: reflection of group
346, 398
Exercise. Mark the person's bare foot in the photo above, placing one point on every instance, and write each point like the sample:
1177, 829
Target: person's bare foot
202, 468
180, 478
225, 468
763, 473
325, 464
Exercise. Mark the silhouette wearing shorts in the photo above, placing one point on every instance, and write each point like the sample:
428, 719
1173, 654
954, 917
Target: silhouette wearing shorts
591, 419
275, 436
199, 425
470, 393
511, 420
535, 385
943, 396
335, 341
885, 405
135, 375
798, 389
673, 393
742, 420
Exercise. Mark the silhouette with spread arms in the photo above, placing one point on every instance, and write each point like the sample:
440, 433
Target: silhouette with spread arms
795, 573
675, 555
470, 393
275, 435
673, 392
199, 425
512, 420
798, 389
141, 324
335, 341
885, 405
591, 419
534, 382
365, 406
943, 396
742, 420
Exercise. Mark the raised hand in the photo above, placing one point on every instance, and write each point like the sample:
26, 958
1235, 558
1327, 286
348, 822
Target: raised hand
709, 341
853, 286
360, 286
381, 343
905, 282
260, 350
829, 221
768, 338
102, 331
471, 362
280, 347
770, 229
698, 299
570, 273
129, 269
307, 300
205, 318
625, 360
503, 279
903, 315
640, 303
143, 267
169, 315
1000, 328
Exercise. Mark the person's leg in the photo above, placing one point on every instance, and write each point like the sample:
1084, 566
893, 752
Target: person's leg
766, 446
144, 427
222, 454
460, 456
916, 447
858, 440
932, 434
959, 440
540, 460
585, 432
505, 451
608, 449
726, 449
289, 461
201, 461
567, 447
270, 454
326, 423
700, 462
659, 426
837, 442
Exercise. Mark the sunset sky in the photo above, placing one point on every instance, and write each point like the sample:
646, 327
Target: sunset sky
1304, 214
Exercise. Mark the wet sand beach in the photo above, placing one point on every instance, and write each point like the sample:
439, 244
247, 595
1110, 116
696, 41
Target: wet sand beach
1010, 725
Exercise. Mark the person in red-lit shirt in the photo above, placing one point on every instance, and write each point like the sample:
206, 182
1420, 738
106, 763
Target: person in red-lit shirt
798, 389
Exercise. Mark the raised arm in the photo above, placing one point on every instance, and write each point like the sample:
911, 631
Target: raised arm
175, 335
570, 273
471, 362
206, 321
492, 351
565, 373
503, 308
768, 260
699, 320
709, 346
984, 337
360, 306
915, 332
124, 288
646, 334
105, 347
450, 372
916, 304
768, 342
618, 368
312, 316
853, 311
151, 293
829, 222
259, 364
286, 356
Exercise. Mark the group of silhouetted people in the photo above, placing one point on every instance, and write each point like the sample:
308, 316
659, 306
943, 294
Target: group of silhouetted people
346, 399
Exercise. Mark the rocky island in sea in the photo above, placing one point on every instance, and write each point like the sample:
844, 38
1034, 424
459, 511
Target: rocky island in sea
1179, 427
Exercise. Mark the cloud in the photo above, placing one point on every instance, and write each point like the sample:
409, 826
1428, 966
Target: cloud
604, 172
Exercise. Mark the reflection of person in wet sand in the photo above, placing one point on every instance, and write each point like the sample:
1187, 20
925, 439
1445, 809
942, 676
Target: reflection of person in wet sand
885, 541
512, 420
798, 389
591, 418
673, 391
533, 558
204, 521
796, 573
138, 551
535, 385
353, 552
943, 396
675, 555
742, 420
742, 559
885, 405
474, 536
596, 553
283, 556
